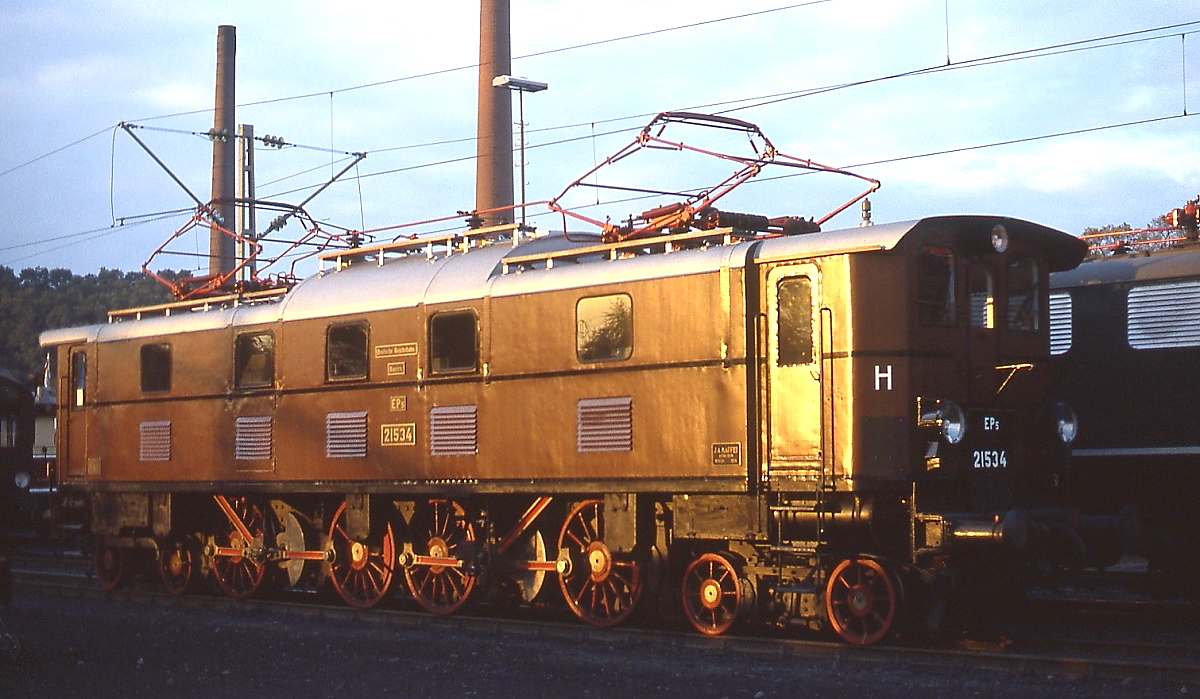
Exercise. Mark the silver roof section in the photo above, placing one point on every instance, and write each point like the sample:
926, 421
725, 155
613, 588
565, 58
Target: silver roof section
363, 283
1161, 265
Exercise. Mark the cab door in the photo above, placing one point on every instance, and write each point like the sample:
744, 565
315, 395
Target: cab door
791, 360
74, 401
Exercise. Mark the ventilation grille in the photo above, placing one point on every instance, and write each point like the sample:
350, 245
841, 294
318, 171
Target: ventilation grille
346, 435
1164, 315
155, 440
605, 424
1060, 323
454, 430
253, 437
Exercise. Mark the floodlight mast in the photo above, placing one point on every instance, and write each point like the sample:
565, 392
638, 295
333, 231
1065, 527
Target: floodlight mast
520, 86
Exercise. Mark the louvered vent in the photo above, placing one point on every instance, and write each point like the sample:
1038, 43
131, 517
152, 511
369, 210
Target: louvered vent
346, 435
1163, 316
605, 424
155, 440
1060, 323
253, 437
454, 430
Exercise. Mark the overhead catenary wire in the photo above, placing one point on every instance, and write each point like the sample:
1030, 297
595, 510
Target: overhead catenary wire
737, 104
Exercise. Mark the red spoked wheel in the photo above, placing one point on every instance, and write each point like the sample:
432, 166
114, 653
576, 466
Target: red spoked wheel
862, 600
241, 572
713, 594
109, 564
441, 530
600, 587
178, 565
362, 572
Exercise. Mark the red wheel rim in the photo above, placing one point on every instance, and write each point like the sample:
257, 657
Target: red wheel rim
109, 564
361, 572
712, 594
861, 601
600, 587
240, 576
442, 530
177, 564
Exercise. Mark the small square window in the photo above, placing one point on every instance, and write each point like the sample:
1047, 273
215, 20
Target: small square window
346, 352
254, 360
156, 368
453, 342
604, 328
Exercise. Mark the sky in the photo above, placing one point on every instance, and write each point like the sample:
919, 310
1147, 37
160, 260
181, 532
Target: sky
1070, 114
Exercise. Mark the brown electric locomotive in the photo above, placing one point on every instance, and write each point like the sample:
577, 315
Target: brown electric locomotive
811, 427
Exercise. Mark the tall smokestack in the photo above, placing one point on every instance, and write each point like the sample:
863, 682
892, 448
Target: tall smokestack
222, 249
494, 165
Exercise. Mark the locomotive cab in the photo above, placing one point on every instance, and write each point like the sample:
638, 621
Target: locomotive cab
990, 452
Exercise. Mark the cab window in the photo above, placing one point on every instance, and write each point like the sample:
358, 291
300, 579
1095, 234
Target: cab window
78, 379
795, 321
936, 302
981, 290
1023, 307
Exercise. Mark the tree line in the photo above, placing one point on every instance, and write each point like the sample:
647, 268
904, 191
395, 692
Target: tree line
37, 299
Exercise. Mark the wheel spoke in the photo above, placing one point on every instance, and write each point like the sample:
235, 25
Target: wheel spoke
240, 577
600, 588
441, 530
861, 601
362, 571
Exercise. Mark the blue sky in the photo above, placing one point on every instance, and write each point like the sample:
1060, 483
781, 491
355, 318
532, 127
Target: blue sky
397, 81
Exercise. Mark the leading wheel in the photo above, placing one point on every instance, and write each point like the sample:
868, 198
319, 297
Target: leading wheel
109, 562
712, 594
362, 571
178, 564
441, 530
861, 599
241, 574
600, 587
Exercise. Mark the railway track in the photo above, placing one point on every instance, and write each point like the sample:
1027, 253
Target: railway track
1044, 650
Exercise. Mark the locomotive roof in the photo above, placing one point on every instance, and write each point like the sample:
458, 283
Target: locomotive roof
1165, 264
545, 263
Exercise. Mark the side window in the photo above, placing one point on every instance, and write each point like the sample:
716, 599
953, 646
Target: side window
156, 368
453, 342
795, 321
1024, 307
936, 302
254, 360
346, 352
78, 379
604, 328
983, 298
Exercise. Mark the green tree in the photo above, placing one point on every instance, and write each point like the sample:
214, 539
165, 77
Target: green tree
37, 299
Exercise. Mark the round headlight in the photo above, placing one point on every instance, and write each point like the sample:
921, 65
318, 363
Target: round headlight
1066, 423
999, 238
21, 478
954, 422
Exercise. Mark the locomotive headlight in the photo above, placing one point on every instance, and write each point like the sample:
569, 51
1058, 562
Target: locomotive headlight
954, 422
999, 238
945, 416
1066, 422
